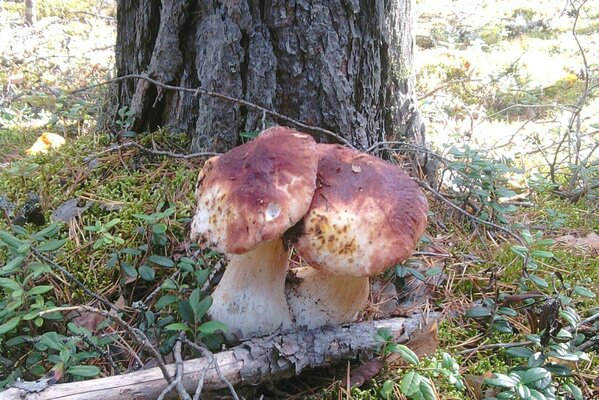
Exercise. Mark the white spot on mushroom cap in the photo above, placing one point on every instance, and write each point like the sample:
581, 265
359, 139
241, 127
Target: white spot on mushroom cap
272, 211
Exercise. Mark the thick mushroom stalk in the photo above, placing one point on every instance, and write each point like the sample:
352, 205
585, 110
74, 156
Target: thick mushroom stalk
366, 215
251, 294
247, 198
318, 298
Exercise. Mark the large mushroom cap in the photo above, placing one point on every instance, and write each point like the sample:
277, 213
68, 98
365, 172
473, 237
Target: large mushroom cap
256, 191
366, 214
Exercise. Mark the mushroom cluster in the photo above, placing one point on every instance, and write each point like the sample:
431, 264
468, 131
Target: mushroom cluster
349, 215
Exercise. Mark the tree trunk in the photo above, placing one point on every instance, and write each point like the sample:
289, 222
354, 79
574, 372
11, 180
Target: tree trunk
343, 65
30, 12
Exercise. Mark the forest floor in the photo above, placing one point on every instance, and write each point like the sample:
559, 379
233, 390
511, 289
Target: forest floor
510, 101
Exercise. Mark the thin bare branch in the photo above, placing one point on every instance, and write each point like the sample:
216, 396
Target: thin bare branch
222, 97
135, 333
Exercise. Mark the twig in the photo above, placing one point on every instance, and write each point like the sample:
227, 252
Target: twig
157, 152
495, 346
222, 97
207, 353
135, 333
589, 320
176, 383
198, 392
72, 277
466, 213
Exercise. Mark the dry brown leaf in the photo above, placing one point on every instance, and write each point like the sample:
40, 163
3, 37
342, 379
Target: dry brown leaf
85, 319
425, 340
475, 384
590, 241
364, 373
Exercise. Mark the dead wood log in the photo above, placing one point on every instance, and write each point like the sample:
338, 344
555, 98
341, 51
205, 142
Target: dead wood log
252, 362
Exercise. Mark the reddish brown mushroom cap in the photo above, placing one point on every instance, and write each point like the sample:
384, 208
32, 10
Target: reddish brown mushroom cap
256, 191
366, 215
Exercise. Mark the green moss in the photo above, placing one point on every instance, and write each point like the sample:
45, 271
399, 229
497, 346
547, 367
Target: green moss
14, 142
492, 33
566, 90
118, 187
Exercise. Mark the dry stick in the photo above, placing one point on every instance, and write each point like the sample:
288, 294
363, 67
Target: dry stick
198, 392
466, 213
135, 333
222, 97
54, 265
207, 353
583, 97
157, 152
178, 375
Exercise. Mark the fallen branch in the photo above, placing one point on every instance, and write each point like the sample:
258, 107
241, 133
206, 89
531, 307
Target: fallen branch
138, 146
252, 362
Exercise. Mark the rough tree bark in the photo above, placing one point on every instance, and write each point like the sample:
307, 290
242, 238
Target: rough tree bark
343, 65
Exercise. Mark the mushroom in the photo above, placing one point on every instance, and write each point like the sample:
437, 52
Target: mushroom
246, 199
366, 215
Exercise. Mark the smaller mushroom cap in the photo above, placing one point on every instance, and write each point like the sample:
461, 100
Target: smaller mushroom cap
366, 215
256, 191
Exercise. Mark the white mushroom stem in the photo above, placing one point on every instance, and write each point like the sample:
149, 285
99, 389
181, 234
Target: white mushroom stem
250, 298
324, 299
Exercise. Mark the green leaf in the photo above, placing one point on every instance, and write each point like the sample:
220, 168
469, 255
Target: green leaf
536, 395
20, 246
159, 229
48, 231
202, 276
478, 312
9, 325
129, 269
523, 391
534, 374
51, 245
510, 312
84, 370
165, 301
186, 311
203, 307
434, 271
131, 251
541, 254
41, 289
168, 284
522, 352
112, 223
162, 261
416, 274
401, 271
570, 315
426, 389
536, 360
584, 292
410, 384
519, 250
211, 327
146, 272
405, 353
502, 326
177, 326
537, 280
558, 369
387, 389
574, 390
9, 284
12, 265
502, 380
